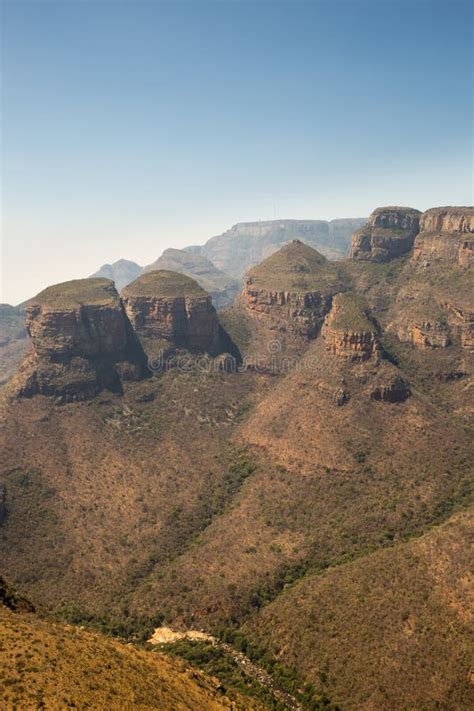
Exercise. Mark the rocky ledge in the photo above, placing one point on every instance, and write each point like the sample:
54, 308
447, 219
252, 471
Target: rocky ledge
348, 331
389, 233
81, 342
170, 310
292, 290
446, 234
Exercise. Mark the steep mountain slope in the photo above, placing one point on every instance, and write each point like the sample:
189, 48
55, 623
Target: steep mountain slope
56, 666
345, 458
121, 272
222, 288
203, 498
387, 631
99, 493
247, 243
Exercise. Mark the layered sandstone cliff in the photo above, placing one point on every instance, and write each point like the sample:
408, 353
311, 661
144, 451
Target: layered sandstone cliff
348, 331
446, 234
350, 334
434, 308
389, 233
170, 310
292, 290
81, 342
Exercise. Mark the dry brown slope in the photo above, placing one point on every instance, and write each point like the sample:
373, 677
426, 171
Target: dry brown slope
98, 493
337, 472
391, 630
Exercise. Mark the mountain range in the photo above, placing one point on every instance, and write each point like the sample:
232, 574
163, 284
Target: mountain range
290, 475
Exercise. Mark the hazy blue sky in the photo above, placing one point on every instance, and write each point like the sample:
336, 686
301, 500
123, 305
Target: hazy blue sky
129, 127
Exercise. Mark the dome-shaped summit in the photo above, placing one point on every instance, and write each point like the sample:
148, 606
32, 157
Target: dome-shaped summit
163, 283
295, 268
170, 310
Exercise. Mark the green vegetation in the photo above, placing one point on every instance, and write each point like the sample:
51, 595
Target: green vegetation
238, 325
163, 283
215, 661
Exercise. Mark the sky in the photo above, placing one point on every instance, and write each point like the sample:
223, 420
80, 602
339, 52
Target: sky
130, 127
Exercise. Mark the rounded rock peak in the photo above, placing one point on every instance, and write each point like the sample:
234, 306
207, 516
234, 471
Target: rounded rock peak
77, 292
162, 283
296, 267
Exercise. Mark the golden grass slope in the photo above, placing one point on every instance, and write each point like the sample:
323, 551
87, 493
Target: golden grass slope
44, 665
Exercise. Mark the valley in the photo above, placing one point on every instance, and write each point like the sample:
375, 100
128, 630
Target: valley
296, 482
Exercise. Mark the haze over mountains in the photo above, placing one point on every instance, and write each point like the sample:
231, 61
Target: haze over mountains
292, 474
237, 249
234, 251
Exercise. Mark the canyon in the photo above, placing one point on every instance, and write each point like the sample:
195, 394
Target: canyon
315, 510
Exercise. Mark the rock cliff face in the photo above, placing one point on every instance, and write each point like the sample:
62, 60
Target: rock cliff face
170, 310
434, 308
292, 290
430, 334
389, 233
446, 234
350, 334
81, 342
348, 331
389, 386
448, 219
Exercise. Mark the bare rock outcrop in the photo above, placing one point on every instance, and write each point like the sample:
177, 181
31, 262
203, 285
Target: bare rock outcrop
389, 233
81, 342
391, 387
348, 331
170, 310
430, 334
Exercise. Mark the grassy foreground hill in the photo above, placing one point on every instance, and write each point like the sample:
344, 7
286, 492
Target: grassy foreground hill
46, 665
